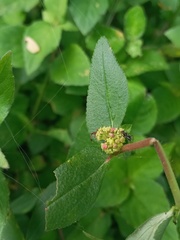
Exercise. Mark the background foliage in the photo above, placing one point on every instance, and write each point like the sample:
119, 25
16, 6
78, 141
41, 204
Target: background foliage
52, 42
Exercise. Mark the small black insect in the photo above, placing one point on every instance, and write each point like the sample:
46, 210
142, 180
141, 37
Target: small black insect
127, 136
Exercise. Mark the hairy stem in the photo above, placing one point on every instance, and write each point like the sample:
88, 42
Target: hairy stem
165, 163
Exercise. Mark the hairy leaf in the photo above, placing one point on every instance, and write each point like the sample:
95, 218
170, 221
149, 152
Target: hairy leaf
78, 184
6, 85
108, 93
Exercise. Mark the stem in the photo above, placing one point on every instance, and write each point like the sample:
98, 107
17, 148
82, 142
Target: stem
165, 163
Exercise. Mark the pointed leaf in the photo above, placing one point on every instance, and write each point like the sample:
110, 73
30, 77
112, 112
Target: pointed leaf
6, 85
174, 34
78, 184
87, 13
108, 93
154, 228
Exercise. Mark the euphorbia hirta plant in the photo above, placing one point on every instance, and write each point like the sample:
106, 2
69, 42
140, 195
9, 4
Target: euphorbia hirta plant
79, 179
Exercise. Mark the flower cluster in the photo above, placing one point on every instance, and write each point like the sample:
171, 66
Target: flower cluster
112, 139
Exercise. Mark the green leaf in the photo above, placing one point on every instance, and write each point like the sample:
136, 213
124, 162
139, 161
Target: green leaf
145, 118
169, 5
14, 19
154, 228
87, 13
10, 5
36, 226
89, 236
173, 75
142, 110
145, 163
108, 93
11, 230
114, 36
82, 140
147, 198
55, 11
114, 190
150, 61
134, 23
173, 34
7, 6
171, 51
60, 102
4, 201
8, 226
25, 202
14, 34
168, 104
38, 44
77, 90
78, 183
136, 2
37, 142
71, 68
3, 162
171, 232
60, 134
134, 48
96, 223
28, 5
6, 86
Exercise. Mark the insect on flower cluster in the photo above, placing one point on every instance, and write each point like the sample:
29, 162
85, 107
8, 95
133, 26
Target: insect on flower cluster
112, 139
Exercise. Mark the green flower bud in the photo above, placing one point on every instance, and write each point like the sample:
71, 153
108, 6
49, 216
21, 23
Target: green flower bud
113, 139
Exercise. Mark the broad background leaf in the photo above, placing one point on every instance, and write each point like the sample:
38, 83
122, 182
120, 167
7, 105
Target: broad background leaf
47, 43
150, 61
174, 35
168, 104
95, 223
75, 71
114, 36
6, 85
141, 111
147, 198
14, 34
87, 13
108, 93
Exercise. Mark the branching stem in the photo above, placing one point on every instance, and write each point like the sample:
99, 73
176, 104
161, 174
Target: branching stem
165, 163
